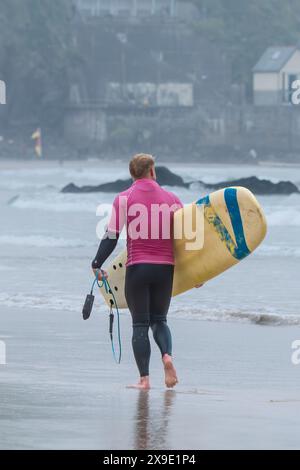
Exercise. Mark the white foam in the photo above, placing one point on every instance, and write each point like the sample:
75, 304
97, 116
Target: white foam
283, 216
77, 172
278, 250
56, 203
50, 199
261, 317
58, 301
42, 241
42, 302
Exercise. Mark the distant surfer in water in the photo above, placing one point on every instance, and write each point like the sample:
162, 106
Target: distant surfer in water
147, 211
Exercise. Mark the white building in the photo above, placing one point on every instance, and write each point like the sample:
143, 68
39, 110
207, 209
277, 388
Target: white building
274, 74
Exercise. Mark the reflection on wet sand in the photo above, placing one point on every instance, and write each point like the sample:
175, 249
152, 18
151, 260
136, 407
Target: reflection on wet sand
152, 419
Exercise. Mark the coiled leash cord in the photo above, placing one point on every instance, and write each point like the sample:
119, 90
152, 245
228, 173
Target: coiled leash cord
88, 305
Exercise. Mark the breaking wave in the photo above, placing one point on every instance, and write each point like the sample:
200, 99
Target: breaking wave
278, 215
73, 303
232, 315
284, 216
42, 302
55, 203
41, 241
278, 250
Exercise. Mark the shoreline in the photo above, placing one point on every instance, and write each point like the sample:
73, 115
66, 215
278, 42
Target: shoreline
61, 389
161, 161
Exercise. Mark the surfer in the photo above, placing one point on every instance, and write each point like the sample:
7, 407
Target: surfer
146, 209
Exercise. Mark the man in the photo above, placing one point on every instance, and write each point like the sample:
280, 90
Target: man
147, 210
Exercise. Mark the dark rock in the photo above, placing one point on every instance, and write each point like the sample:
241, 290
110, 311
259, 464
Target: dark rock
257, 186
113, 187
165, 177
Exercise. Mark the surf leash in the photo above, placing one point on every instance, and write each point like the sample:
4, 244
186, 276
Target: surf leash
87, 310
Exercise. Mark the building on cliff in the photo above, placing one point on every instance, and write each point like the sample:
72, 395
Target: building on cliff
144, 80
274, 74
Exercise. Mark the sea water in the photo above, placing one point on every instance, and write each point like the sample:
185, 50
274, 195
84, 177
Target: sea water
48, 239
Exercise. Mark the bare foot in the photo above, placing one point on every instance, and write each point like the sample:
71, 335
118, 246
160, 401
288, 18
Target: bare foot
143, 384
170, 372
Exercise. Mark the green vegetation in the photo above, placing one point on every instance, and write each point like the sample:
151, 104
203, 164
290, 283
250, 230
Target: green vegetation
244, 28
35, 54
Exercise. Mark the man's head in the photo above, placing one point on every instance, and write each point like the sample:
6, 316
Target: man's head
142, 166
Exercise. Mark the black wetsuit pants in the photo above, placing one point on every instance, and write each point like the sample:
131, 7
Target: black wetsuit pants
148, 289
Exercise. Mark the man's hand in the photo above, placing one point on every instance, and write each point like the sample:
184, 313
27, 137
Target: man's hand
101, 274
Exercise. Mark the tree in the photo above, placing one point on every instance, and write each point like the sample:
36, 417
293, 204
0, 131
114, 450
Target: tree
35, 47
243, 29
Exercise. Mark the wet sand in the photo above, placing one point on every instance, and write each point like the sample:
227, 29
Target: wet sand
60, 388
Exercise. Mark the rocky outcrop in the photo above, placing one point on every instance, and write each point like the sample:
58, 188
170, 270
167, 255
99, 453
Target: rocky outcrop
113, 187
258, 186
165, 177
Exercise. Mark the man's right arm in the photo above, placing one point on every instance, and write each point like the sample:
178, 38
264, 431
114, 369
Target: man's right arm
106, 247
110, 239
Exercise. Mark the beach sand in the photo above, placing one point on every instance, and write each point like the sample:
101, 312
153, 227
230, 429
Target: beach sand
61, 389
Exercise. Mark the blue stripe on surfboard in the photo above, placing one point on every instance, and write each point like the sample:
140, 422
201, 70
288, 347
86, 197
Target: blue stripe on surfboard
239, 249
230, 195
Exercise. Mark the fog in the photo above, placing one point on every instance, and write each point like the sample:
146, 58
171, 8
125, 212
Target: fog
203, 80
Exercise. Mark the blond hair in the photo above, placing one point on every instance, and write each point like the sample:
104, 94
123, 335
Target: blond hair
140, 165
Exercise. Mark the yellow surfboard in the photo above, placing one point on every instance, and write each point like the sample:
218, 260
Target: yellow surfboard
228, 225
